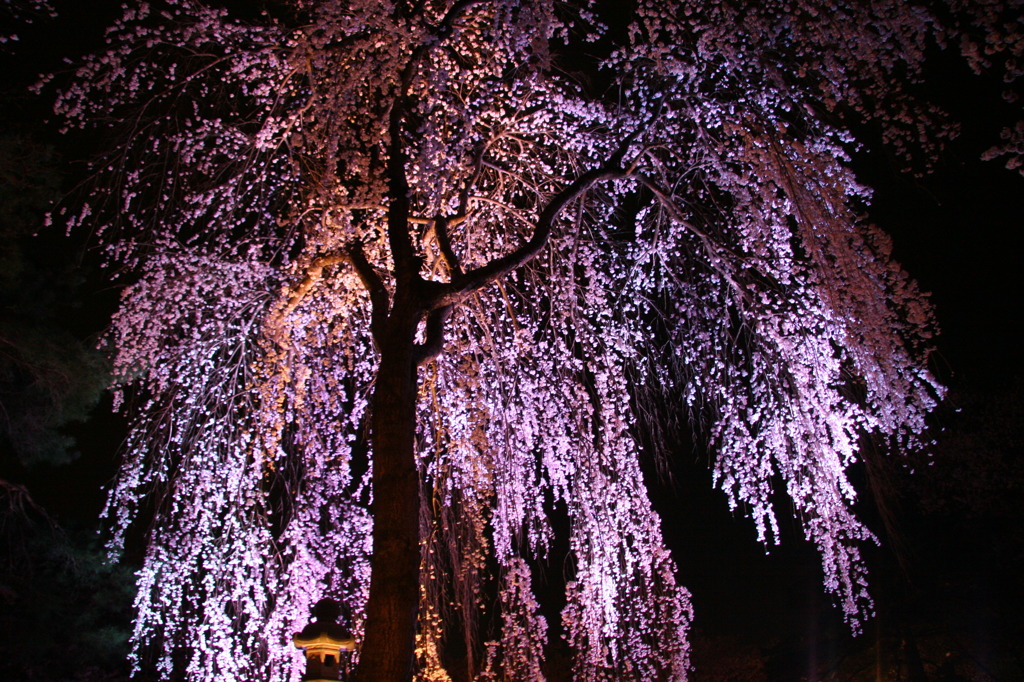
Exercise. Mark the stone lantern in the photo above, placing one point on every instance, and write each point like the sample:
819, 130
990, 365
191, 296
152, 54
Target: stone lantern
322, 641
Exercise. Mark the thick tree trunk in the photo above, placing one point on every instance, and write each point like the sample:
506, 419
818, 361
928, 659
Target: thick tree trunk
388, 648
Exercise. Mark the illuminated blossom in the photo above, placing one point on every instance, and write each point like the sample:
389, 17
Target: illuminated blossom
675, 232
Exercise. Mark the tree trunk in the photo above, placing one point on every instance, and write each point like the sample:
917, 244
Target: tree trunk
388, 650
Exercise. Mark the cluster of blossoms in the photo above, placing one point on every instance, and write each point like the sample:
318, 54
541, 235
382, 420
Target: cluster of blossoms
713, 259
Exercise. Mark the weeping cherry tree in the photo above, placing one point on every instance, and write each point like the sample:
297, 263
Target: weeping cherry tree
405, 282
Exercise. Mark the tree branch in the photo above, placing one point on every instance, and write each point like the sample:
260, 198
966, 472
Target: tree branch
434, 342
313, 273
610, 170
379, 299
407, 264
444, 243
720, 258
368, 275
482, 276
398, 193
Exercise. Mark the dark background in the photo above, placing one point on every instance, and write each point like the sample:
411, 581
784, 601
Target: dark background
947, 579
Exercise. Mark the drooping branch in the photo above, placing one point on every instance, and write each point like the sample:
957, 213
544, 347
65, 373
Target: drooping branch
610, 170
380, 301
415, 113
719, 258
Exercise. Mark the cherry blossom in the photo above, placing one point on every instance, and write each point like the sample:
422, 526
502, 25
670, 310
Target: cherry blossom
556, 220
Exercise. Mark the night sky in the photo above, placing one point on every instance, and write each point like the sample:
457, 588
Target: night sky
953, 589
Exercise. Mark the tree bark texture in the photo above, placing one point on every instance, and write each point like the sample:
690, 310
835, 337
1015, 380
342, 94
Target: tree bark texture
388, 649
